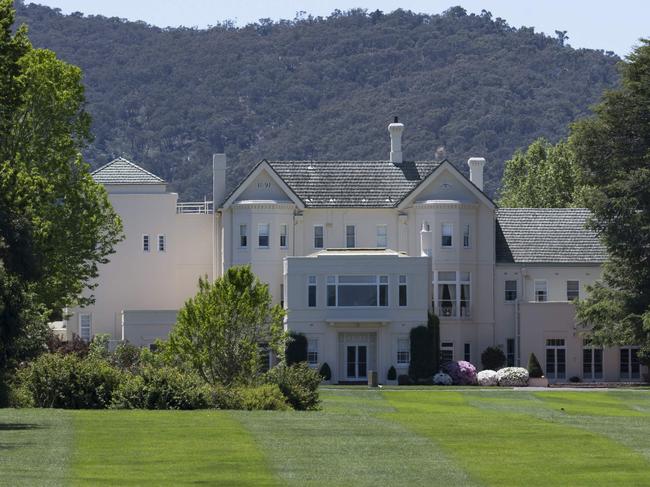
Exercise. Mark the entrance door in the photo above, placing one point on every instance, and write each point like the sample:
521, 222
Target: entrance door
356, 361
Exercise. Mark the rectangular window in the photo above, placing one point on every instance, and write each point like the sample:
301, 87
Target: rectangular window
402, 291
510, 352
592, 362
446, 352
349, 237
318, 236
243, 236
145, 243
511, 290
467, 352
312, 351
357, 291
263, 235
629, 363
382, 236
383, 290
466, 241
447, 294
447, 231
572, 290
162, 244
331, 290
403, 351
311, 291
283, 236
85, 327
282, 295
555, 358
541, 291
464, 295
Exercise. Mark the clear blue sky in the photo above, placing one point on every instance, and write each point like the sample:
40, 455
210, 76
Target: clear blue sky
599, 24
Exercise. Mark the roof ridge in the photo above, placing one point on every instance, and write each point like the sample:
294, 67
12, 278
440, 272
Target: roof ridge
139, 169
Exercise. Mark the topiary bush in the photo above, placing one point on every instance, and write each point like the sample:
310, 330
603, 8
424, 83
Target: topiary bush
534, 369
392, 373
512, 377
493, 358
299, 384
296, 351
325, 372
404, 380
487, 378
442, 379
462, 373
423, 353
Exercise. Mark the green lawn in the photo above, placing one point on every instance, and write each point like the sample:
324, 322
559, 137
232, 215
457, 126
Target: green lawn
434, 436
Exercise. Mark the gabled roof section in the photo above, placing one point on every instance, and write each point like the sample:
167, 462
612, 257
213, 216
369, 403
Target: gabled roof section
121, 171
352, 184
546, 236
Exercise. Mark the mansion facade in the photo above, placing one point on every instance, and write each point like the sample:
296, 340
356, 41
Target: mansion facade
358, 253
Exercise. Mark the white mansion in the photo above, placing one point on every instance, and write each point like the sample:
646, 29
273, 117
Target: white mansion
358, 252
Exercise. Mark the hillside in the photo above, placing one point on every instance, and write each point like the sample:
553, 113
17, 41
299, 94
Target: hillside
320, 88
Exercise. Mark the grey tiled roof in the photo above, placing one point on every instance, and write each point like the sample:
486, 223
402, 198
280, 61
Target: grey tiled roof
546, 235
373, 184
121, 171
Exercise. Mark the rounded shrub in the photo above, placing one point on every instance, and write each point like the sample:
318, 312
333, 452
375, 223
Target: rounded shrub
299, 384
487, 378
493, 358
392, 373
325, 372
534, 369
462, 373
265, 397
442, 379
512, 377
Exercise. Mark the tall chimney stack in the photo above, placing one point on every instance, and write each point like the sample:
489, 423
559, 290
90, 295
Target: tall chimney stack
476, 165
395, 129
218, 179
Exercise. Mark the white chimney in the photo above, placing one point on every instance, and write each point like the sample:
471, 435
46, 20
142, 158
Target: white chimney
218, 179
396, 130
476, 171
426, 240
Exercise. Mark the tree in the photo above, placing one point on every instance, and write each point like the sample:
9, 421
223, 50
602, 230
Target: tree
545, 176
613, 149
296, 348
493, 358
219, 330
56, 223
425, 349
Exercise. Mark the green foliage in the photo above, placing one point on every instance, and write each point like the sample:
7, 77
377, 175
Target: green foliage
98, 347
468, 85
325, 372
70, 382
265, 397
75, 345
218, 330
392, 373
493, 358
534, 369
126, 356
423, 353
296, 348
433, 323
613, 150
545, 176
299, 384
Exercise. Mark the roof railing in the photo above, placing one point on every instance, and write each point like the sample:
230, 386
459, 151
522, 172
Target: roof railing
195, 207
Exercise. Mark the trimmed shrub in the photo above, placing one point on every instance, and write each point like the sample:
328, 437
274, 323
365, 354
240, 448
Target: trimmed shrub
325, 372
162, 388
462, 373
422, 353
487, 378
126, 356
493, 358
404, 380
265, 397
392, 373
296, 351
299, 384
575, 379
70, 382
442, 379
534, 369
512, 377
433, 323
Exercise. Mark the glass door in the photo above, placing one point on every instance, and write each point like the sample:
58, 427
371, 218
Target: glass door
555, 358
356, 361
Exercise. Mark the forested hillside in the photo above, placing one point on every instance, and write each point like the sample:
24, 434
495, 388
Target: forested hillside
322, 88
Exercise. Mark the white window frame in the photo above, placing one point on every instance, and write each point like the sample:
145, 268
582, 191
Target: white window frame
284, 235
312, 351
312, 283
537, 290
243, 236
446, 347
85, 336
162, 243
382, 236
555, 344
403, 283
443, 234
146, 243
506, 290
379, 282
322, 237
267, 227
350, 238
467, 242
577, 282
458, 309
403, 351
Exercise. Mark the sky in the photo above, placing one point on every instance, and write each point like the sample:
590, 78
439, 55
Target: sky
597, 24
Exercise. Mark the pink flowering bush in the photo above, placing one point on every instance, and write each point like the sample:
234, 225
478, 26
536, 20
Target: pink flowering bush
462, 373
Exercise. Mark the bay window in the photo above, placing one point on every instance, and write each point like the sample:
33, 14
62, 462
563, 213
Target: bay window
452, 294
447, 230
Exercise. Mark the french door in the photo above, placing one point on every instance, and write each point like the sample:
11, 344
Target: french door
555, 358
356, 363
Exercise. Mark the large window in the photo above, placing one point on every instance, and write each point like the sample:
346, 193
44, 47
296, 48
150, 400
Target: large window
85, 327
357, 291
629, 363
447, 230
318, 236
243, 236
403, 351
402, 291
453, 294
382, 236
511, 290
541, 291
263, 235
350, 239
592, 362
311, 291
283, 236
572, 290
312, 351
446, 352
555, 358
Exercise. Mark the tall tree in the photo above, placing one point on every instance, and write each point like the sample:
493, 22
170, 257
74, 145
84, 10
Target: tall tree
544, 176
613, 149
